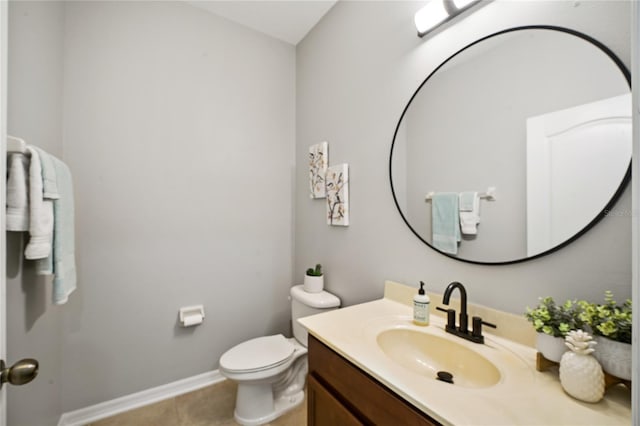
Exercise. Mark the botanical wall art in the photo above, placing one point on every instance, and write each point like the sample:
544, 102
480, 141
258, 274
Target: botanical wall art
318, 163
338, 195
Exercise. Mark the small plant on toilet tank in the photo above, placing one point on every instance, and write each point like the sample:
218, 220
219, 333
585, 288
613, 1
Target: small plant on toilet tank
314, 280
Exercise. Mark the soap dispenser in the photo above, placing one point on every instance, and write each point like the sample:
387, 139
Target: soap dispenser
421, 307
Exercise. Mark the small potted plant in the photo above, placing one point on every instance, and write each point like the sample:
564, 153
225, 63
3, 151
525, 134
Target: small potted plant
553, 322
611, 326
314, 280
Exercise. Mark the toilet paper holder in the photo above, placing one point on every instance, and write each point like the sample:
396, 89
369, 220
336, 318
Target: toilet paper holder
191, 315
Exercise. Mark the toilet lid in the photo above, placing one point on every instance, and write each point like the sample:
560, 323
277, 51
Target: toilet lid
257, 354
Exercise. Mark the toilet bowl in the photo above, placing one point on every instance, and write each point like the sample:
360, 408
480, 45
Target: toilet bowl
271, 370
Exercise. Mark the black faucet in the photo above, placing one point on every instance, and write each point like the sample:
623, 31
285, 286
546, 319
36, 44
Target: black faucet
462, 330
464, 319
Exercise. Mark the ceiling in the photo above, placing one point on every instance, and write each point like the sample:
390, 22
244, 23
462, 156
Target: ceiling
286, 20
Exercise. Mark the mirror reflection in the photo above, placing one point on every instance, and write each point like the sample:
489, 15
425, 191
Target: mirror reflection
541, 116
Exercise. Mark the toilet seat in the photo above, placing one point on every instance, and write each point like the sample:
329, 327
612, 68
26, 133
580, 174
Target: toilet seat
260, 353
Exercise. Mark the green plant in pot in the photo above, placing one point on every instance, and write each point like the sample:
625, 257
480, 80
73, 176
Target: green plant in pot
314, 279
611, 325
552, 322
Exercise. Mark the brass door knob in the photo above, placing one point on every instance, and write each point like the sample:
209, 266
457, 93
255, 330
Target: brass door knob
20, 373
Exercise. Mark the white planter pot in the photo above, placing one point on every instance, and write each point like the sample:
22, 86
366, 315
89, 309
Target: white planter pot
313, 284
551, 347
615, 357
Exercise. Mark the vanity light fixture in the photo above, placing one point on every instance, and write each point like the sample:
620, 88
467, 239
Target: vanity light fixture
461, 4
437, 12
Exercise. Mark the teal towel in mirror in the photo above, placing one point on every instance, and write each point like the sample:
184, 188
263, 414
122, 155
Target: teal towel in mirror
445, 223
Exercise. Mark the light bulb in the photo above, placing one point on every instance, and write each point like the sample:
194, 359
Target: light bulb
430, 16
461, 4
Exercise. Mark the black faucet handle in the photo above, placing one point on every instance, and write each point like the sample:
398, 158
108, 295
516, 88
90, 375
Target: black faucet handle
488, 324
477, 327
451, 318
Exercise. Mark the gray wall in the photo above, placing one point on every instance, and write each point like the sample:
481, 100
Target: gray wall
355, 73
179, 131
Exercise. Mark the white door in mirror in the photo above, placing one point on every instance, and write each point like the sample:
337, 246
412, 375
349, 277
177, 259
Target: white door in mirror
562, 147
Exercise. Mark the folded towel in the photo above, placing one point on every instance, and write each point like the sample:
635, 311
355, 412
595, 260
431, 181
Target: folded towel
17, 194
61, 263
49, 181
45, 266
49, 192
64, 262
40, 212
445, 225
469, 212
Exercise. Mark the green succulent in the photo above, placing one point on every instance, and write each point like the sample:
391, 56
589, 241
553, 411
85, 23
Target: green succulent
609, 319
317, 272
553, 319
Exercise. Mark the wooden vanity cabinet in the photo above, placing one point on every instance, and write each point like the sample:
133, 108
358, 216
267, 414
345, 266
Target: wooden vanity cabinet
341, 394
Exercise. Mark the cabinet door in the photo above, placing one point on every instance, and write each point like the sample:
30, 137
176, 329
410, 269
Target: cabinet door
370, 400
323, 409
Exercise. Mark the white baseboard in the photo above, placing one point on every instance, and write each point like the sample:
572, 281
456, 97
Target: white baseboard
106, 409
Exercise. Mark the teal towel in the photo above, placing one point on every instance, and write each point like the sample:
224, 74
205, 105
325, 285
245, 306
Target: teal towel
61, 263
445, 222
50, 192
64, 262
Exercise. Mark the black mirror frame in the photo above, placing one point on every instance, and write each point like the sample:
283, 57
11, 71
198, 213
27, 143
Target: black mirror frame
600, 216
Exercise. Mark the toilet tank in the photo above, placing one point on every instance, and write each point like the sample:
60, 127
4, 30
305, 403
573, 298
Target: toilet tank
304, 304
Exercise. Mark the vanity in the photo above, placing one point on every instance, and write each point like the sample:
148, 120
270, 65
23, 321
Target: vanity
369, 364
340, 393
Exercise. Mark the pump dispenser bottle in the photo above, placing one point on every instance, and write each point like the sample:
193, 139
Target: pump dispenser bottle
421, 307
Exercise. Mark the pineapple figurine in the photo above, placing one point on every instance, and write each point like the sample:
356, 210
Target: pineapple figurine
581, 375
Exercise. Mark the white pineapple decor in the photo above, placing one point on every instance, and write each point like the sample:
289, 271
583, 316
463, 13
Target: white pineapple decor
581, 375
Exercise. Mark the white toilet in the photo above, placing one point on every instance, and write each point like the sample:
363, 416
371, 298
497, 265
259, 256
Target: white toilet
271, 370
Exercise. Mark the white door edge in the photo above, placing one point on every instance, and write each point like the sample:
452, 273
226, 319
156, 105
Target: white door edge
3, 241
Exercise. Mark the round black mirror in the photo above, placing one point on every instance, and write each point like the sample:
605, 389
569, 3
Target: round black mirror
539, 114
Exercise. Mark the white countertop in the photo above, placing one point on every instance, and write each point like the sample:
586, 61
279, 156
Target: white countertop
523, 396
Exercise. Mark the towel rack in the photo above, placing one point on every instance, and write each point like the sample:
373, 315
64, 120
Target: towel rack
490, 195
16, 145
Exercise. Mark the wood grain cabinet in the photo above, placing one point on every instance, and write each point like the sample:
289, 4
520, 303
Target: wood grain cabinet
341, 394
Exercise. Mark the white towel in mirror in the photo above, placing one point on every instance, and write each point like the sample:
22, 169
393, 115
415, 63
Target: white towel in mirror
469, 206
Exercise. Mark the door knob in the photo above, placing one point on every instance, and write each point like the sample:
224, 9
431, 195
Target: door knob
20, 373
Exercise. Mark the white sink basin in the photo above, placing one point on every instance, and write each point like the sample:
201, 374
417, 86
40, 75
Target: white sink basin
427, 354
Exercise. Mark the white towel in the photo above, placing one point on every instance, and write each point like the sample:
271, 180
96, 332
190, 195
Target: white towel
17, 194
40, 212
469, 206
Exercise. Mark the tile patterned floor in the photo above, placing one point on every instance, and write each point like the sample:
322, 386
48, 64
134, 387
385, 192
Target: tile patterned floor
210, 406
